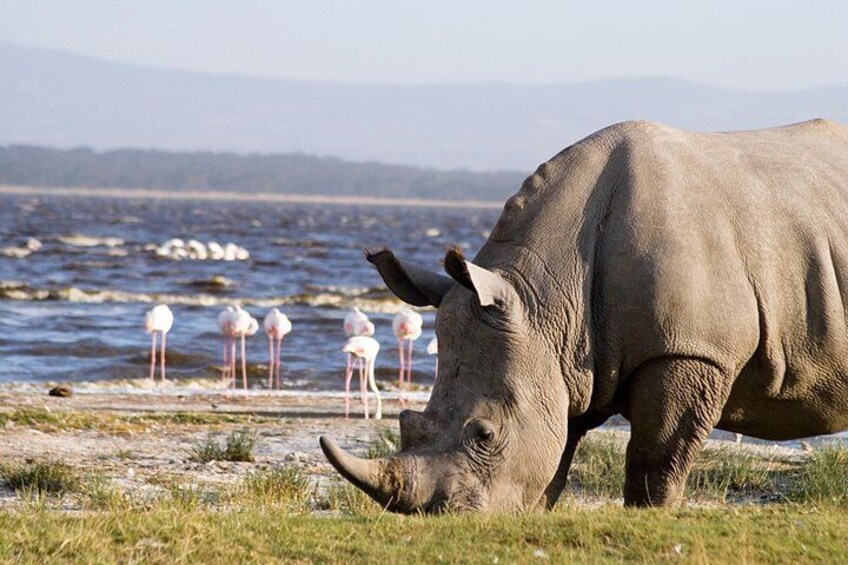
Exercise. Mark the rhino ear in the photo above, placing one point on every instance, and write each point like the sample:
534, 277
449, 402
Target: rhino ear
413, 285
489, 287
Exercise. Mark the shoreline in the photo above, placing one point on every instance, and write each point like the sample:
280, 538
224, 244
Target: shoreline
227, 196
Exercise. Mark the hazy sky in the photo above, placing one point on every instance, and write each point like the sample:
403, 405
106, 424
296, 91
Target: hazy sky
760, 44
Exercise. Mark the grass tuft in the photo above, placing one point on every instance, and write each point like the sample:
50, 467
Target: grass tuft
598, 466
728, 472
823, 479
238, 446
346, 499
42, 477
387, 442
287, 487
100, 493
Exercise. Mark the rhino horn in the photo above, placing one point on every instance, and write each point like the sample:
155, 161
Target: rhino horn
413, 285
384, 480
489, 287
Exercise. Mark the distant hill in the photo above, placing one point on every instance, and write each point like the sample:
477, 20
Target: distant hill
280, 174
57, 99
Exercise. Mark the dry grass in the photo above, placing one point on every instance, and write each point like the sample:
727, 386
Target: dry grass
237, 446
47, 420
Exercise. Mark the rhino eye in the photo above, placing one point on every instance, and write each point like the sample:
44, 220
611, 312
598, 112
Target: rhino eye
481, 431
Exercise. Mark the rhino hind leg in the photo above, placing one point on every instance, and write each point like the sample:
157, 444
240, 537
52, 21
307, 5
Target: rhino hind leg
673, 404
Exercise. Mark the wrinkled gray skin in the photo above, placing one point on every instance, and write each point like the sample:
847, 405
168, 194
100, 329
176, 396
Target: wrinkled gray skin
684, 280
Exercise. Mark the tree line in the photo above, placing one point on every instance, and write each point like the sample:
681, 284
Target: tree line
267, 173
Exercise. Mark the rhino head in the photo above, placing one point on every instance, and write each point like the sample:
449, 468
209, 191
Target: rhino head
491, 436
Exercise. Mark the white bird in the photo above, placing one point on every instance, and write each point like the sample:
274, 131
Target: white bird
244, 325
277, 326
355, 323
216, 251
365, 349
227, 325
159, 320
407, 328
433, 349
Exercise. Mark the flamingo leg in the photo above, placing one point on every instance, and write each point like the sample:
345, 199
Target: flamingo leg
378, 414
163, 356
348, 376
279, 362
233, 362
271, 362
243, 365
409, 365
436, 373
153, 356
400, 370
362, 388
226, 361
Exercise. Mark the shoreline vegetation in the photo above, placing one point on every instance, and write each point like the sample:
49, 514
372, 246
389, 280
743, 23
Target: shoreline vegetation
110, 477
222, 195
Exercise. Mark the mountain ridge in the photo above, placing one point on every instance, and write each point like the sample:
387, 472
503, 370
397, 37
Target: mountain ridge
59, 99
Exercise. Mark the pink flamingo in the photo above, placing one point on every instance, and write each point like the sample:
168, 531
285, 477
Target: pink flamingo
227, 325
365, 349
246, 329
356, 323
433, 349
407, 328
277, 326
158, 320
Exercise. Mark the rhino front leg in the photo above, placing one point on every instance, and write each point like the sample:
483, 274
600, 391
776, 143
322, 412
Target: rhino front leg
577, 429
674, 403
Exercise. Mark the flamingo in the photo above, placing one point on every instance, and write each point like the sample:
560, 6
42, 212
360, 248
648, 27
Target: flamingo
277, 326
365, 349
433, 349
407, 328
158, 320
356, 323
226, 323
243, 325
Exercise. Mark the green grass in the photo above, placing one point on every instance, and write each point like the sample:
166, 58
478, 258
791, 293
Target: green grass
719, 474
824, 478
287, 487
41, 477
180, 533
598, 466
345, 499
237, 446
726, 473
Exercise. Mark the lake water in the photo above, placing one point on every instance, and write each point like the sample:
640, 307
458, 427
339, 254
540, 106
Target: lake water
73, 310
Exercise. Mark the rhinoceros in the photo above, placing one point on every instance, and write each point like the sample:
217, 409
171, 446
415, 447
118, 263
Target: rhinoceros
687, 281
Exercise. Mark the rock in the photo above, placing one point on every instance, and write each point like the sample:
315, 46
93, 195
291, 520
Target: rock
62, 391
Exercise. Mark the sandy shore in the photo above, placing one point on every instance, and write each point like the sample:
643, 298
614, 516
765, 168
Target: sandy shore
224, 196
143, 456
